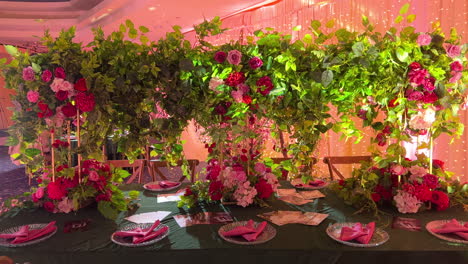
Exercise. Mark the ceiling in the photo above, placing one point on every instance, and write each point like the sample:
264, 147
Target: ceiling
20, 23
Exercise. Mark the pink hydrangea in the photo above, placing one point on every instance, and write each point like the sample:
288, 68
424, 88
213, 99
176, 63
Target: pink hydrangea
424, 39
244, 194
272, 180
260, 167
234, 57
237, 95
244, 88
32, 96
65, 206
417, 172
406, 203
28, 74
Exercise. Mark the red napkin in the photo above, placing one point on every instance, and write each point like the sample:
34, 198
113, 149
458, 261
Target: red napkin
453, 227
258, 231
239, 231
33, 234
137, 231
168, 184
358, 232
20, 233
149, 236
316, 183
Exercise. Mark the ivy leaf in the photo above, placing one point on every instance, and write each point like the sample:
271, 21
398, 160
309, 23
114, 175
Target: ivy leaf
107, 210
143, 29
330, 23
144, 39
13, 51
315, 24
404, 9
398, 19
402, 55
36, 67
122, 28
327, 77
132, 33
129, 24
365, 21
32, 152
3, 60
410, 18
358, 48
297, 28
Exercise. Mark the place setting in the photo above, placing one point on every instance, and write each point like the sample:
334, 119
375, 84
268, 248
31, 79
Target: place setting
140, 234
161, 186
449, 230
357, 234
25, 235
310, 185
247, 232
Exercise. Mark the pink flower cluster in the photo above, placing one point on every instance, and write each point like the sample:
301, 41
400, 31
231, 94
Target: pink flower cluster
406, 203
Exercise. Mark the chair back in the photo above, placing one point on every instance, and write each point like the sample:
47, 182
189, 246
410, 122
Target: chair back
155, 164
137, 167
333, 160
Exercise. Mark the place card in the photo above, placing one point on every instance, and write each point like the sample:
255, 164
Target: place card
404, 223
286, 192
312, 194
293, 217
150, 217
204, 218
170, 197
295, 199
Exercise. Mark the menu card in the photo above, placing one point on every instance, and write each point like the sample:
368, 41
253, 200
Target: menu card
293, 217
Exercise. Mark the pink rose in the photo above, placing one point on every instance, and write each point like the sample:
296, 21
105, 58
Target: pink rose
418, 76
61, 85
429, 84
32, 96
237, 95
424, 39
455, 77
28, 74
429, 97
93, 176
398, 169
452, 50
255, 63
214, 83
49, 206
65, 206
415, 65
243, 87
220, 56
413, 95
456, 66
46, 76
234, 57
59, 73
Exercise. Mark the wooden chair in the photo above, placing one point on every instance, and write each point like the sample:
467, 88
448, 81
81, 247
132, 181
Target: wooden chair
333, 160
137, 167
155, 164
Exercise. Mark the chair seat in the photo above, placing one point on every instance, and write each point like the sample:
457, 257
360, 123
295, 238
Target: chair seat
155, 164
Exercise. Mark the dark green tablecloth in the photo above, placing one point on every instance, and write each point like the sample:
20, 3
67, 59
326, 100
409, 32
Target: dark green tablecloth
201, 244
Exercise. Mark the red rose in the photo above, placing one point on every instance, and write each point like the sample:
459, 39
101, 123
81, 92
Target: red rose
413, 95
49, 206
375, 197
69, 110
264, 190
215, 190
42, 106
246, 99
235, 78
220, 56
341, 182
417, 77
414, 66
387, 130
255, 63
431, 181
381, 139
429, 84
220, 109
362, 114
46, 75
213, 172
61, 95
456, 66
429, 97
85, 101
441, 200
56, 191
188, 192
59, 73
265, 85
104, 196
58, 144
438, 164
420, 191
80, 85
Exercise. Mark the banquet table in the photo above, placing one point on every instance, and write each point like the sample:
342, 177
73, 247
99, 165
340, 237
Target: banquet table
293, 243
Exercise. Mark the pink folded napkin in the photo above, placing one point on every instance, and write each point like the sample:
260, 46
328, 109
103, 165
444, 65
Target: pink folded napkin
358, 232
20, 233
453, 227
168, 184
36, 233
316, 183
149, 236
258, 231
138, 231
238, 231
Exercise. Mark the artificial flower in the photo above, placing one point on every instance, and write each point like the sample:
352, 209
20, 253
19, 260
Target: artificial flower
376, 197
417, 77
65, 206
414, 95
234, 57
28, 74
438, 164
456, 76
244, 194
69, 110
264, 190
215, 190
415, 65
406, 203
429, 84
237, 96
424, 40
60, 85
46, 76
80, 85
235, 78
260, 167
247, 99
456, 66
429, 97
93, 176
55, 190
61, 95
381, 139
440, 199
255, 63
452, 50
398, 169
431, 180
59, 73
220, 56
214, 83
32, 96
85, 101
265, 85
362, 114
49, 206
